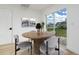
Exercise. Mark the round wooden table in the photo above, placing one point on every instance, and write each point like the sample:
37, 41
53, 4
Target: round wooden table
38, 39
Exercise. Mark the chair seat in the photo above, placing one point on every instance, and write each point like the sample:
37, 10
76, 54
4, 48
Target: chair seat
24, 45
43, 49
52, 51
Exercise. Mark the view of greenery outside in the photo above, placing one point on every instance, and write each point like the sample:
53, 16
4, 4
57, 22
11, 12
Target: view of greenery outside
61, 28
59, 32
50, 27
60, 25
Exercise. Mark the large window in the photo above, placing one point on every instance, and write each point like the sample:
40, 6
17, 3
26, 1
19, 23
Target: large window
57, 22
50, 22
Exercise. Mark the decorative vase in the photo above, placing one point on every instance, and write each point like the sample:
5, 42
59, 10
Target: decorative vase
38, 30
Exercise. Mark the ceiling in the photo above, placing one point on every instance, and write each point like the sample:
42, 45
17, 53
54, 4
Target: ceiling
39, 7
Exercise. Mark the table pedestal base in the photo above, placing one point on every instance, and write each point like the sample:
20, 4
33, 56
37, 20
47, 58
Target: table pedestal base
37, 44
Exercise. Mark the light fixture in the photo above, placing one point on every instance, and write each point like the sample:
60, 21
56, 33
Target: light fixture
25, 5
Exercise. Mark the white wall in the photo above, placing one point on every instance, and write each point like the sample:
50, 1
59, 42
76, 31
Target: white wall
73, 28
5, 24
17, 13
72, 25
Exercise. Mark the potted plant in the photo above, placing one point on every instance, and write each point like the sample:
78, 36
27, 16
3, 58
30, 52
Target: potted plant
38, 27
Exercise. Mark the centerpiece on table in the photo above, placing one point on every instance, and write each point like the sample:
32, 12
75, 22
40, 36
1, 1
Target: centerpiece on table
38, 27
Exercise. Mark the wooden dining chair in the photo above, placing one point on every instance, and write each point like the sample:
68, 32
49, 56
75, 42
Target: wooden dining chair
22, 45
50, 46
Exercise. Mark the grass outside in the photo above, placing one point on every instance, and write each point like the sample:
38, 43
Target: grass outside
49, 29
59, 32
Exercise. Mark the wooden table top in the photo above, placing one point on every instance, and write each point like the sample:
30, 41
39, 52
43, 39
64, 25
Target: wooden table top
35, 35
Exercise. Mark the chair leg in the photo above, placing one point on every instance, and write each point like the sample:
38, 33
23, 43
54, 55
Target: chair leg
15, 53
15, 47
58, 46
31, 49
47, 48
28, 49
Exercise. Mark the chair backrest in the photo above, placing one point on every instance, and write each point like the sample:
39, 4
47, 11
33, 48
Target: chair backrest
16, 39
52, 42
